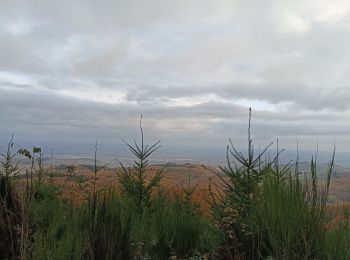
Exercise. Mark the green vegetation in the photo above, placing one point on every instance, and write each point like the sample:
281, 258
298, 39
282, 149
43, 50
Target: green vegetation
133, 179
260, 209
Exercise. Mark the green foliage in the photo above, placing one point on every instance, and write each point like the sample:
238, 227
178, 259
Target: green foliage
71, 171
169, 227
178, 230
40, 171
290, 216
260, 211
337, 240
233, 206
10, 206
108, 232
57, 226
133, 179
9, 169
62, 231
114, 231
268, 211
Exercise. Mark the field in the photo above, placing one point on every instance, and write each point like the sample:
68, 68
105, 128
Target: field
181, 176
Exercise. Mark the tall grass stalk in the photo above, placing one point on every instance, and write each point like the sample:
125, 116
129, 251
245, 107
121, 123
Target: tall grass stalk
290, 215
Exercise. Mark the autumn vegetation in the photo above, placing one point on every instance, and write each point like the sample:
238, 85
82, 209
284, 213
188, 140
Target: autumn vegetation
253, 208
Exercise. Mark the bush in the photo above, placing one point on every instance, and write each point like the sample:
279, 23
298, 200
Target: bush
10, 206
260, 211
233, 204
63, 231
178, 230
57, 228
337, 240
290, 217
171, 227
268, 211
133, 179
108, 234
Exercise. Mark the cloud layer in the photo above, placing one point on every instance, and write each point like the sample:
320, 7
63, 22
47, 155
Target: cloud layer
87, 70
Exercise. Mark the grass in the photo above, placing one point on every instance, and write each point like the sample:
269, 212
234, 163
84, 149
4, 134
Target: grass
259, 210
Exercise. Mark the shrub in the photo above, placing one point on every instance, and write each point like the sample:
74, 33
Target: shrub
290, 215
233, 204
57, 226
172, 227
337, 240
10, 206
268, 211
108, 232
133, 179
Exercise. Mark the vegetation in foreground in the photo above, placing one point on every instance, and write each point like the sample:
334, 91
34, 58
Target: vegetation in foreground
260, 209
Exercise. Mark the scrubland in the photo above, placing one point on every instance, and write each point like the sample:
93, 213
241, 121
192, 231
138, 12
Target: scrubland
255, 207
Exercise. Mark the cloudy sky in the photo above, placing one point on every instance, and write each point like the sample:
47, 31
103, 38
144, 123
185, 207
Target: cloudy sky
85, 70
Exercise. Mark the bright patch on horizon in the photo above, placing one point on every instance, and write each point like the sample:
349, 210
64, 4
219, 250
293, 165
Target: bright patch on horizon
102, 96
259, 105
14, 78
189, 101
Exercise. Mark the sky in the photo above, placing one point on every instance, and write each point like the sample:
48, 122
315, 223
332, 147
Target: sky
80, 71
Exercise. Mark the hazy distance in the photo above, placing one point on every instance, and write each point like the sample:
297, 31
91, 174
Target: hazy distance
72, 72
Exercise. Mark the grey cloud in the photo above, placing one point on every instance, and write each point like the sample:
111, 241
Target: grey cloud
293, 57
44, 110
308, 97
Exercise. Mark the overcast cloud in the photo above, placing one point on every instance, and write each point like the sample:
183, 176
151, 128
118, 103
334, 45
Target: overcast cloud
85, 70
